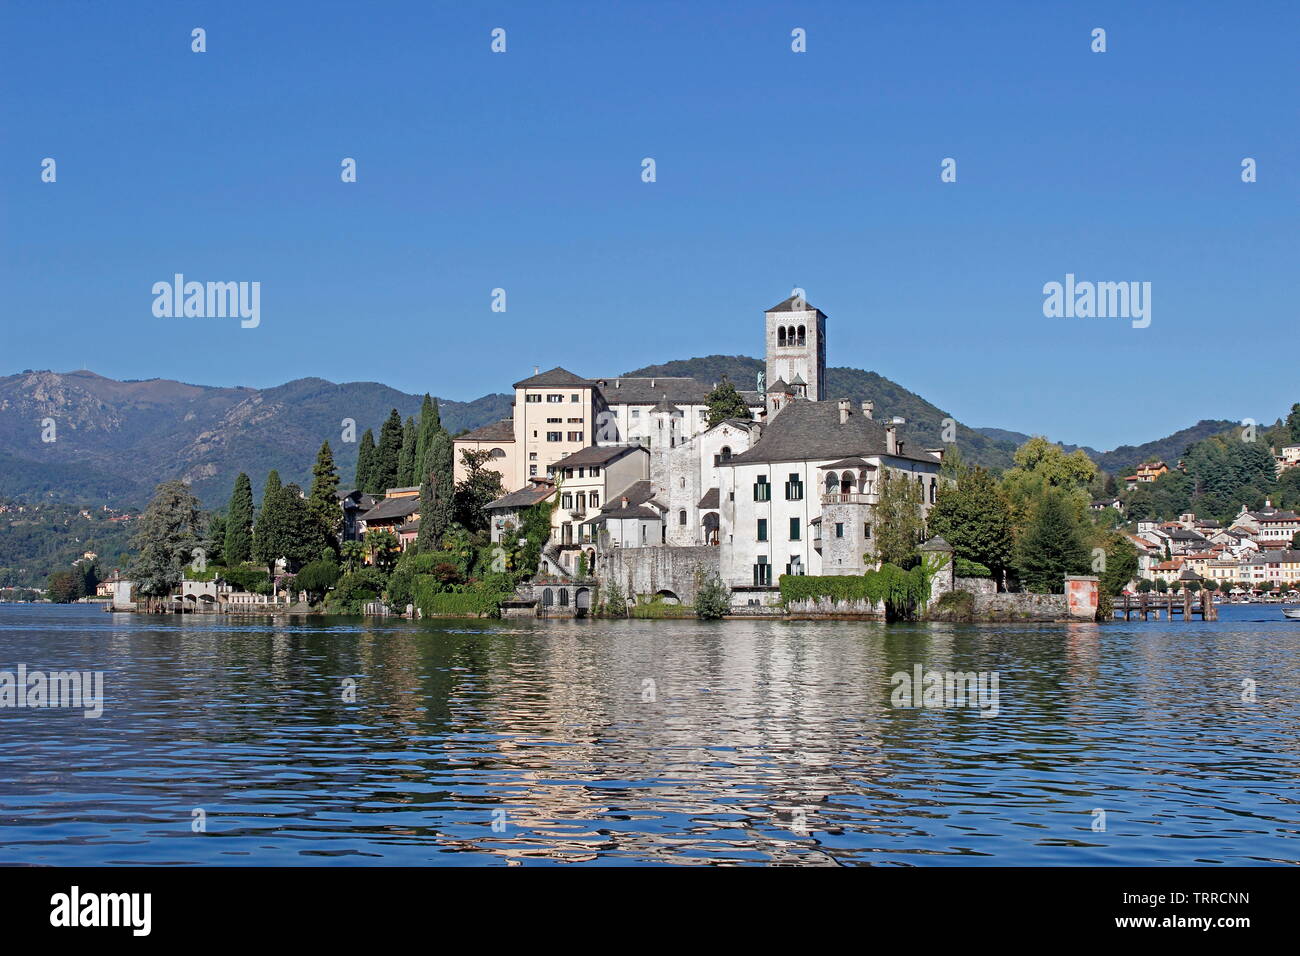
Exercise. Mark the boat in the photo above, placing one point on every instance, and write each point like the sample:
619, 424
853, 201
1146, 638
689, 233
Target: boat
1292, 612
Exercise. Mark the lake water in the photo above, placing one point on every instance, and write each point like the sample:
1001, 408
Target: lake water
628, 742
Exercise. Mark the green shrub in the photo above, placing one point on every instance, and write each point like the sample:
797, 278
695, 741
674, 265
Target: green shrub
356, 589
953, 606
965, 568
316, 578
902, 592
712, 598
479, 600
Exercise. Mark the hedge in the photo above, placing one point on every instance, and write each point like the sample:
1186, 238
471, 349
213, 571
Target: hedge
434, 602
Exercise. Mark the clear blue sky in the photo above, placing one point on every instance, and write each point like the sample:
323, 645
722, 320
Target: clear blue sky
522, 171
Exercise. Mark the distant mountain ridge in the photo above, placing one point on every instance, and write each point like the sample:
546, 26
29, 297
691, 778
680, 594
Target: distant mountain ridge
115, 441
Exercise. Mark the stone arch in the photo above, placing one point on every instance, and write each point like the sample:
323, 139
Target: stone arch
582, 599
780, 337
548, 597
803, 335
498, 453
669, 597
564, 596
832, 483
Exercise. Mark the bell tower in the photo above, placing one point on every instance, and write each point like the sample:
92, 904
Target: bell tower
796, 347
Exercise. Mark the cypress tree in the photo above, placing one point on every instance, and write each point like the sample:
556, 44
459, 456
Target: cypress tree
430, 425
387, 455
238, 546
263, 541
323, 499
365, 461
406, 459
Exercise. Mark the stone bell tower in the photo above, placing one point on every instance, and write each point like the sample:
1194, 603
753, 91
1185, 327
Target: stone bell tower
796, 347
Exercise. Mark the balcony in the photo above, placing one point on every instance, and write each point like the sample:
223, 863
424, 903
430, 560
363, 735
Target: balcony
848, 498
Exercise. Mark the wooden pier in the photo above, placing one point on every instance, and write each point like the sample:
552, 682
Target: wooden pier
1188, 605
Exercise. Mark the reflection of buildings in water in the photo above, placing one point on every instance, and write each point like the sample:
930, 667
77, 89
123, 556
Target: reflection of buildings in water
746, 721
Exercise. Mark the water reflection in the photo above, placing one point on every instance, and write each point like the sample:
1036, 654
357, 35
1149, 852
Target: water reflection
664, 742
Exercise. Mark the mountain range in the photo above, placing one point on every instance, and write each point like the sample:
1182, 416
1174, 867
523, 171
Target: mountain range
114, 441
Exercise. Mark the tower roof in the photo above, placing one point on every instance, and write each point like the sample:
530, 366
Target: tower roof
796, 304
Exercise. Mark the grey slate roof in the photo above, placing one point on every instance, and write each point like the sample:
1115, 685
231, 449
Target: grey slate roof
778, 386
666, 406
523, 498
555, 377
793, 303
391, 508
650, 390
503, 430
711, 500
811, 431
640, 503
596, 455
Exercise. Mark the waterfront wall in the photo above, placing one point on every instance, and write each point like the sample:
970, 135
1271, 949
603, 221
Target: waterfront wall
650, 571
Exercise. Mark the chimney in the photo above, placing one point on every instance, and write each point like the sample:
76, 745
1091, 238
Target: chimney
652, 383
618, 383
868, 409
537, 370
891, 439
623, 500
844, 410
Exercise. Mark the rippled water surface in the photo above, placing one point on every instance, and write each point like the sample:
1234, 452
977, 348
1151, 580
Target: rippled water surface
649, 742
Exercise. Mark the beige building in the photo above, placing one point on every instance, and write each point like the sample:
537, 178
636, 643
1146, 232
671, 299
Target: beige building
590, 479
498, 440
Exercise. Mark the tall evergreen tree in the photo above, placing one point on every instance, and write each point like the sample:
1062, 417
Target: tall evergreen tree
169, 530
365, 461
266, 519
430, 424
1051, 546
406, 459
238, 546
975, 519
323, 500
288, 529
387, 455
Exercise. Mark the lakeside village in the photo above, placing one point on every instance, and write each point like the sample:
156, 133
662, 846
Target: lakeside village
666, 497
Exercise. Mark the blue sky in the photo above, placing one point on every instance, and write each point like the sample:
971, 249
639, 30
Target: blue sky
774, 169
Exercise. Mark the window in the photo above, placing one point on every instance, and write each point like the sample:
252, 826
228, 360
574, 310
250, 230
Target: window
762, 490
554, 436
594, 472
762, 573
681, 517
636, 413
762, 529
575, 421
498, 453
575, 436
531, 397
795, 566
568, 473
575, 398
726, 453
554, 399
866, 530
933, 491
794, 529
532, 471
532, 455
580, 470
554, 421
594, 497
582, 501
794, 488
683, 481
839, 529
566, 501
